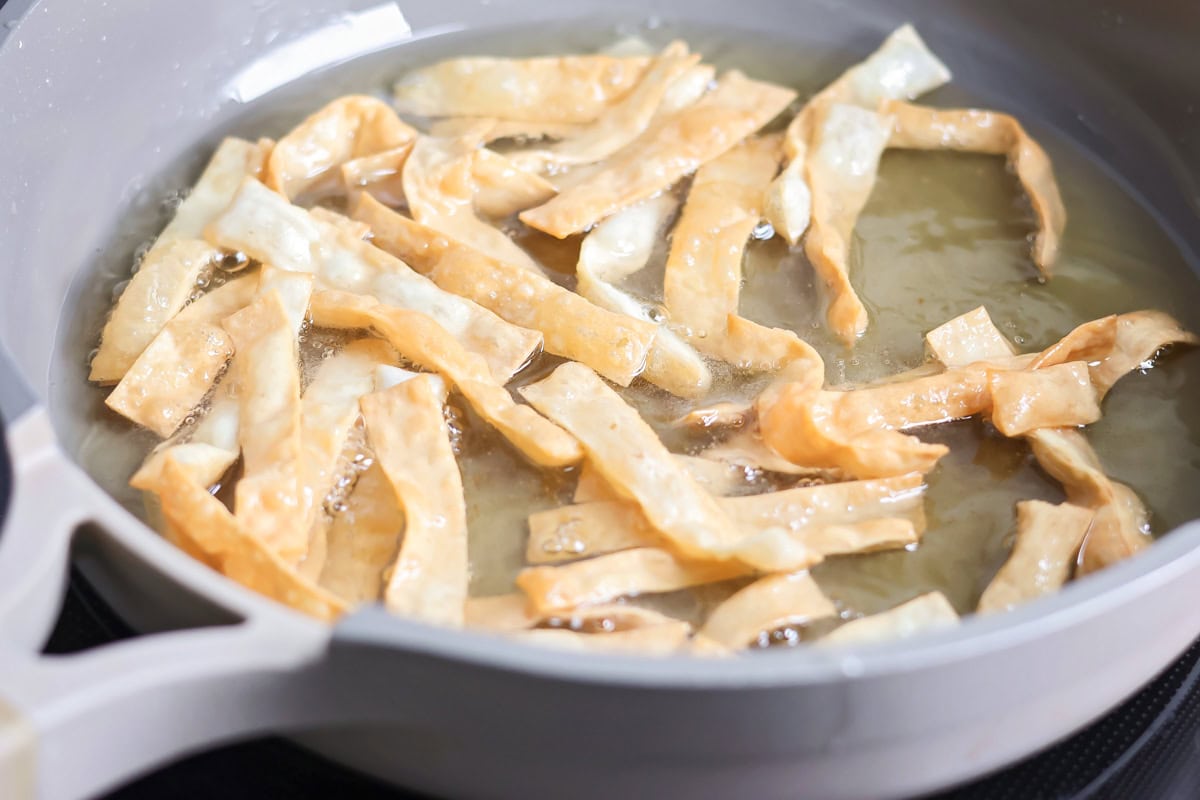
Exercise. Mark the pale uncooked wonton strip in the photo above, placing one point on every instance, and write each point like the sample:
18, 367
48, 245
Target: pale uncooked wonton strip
420, 340
902, 68
263, 225
362, 539
925, 613
617, 248
208, 528
669, 149
167, 275
440, 191
429, 578
564, 89
968, 338
975, 131
305, 161
767, 604
621, 122
613, 344
1043, 555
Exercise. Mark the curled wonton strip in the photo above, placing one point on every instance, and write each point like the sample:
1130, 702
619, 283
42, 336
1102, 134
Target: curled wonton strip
502, 188
561, 89
902, 68
661, 639
1043, 555
167, 275
362, 540
617, 248
613, 344
927, 612
429, 579
767, 604
968, 338
205, 527
670, 148
305, 162
421, 340
379, 174
975, 131
263, 225
1052, 397
619, 123
1139, 336
1120, 527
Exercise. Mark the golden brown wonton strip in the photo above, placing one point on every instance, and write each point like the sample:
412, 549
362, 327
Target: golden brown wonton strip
362, 540
1043, 554
167, 275
614, 345
422, 341
1052, 397
379, 174
661, 639
1139, 336
305, 162
429, 578
617, 248
975, 131
263, 225
669, 149
718, 478
491, 130
924, 613
767, 604
502, 188
559, 89
207, 528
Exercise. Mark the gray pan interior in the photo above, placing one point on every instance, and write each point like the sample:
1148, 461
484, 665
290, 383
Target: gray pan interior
103, 106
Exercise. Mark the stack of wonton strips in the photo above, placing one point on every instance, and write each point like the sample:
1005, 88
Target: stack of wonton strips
349, 489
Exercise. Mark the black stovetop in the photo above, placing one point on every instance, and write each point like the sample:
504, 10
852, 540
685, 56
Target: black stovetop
1149, 747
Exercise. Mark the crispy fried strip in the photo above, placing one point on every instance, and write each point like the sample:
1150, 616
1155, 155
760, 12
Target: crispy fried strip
216, 305
767, 604
1091, 341
265, 226
429, 578
171, 376
206, 527
612, 344
621, 122
362, 540
902, 68
421, 340
566, 89
924, 613
168, 273
1058, 396
1043, 555
1139, 336
440, 191
644, 570
975, 131
502, 188
718, 478
968, 338
269, 503
746, 450
669, 149
379, 174
1120, 527
661, 639
305, 161
617, 248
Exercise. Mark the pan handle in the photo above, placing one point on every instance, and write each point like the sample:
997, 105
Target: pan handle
72, 726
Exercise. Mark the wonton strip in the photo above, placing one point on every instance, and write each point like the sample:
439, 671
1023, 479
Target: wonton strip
968, 338
263, 225
1053, 397
304, 162
511, 612
1043, 554
440, 191
429, 579
974, 131
1139, 335
617, 248
841, 173
171, 376
644, 570
927, 612
268, 499
621, 122
222, 301
502, 188
209, 451
612, 344
206, 527
661, 639
767, 604
1121, 525
504, 612
902, 68
669, 149
378, 174
167, 275
718, 478
491, 130
555, 89
362, 540
422, 341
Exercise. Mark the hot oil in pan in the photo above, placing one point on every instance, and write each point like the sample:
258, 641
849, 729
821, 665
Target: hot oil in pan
942, 234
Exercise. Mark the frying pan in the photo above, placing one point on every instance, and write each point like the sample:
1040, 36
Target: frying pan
96, 98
